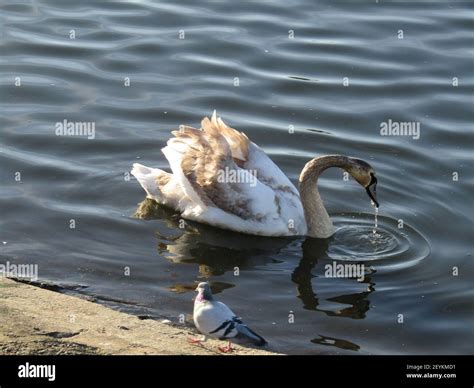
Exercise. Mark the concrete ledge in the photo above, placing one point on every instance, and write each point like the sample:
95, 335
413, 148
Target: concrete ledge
39, 321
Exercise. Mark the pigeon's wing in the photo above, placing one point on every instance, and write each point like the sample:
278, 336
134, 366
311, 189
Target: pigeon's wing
211, 318
226, 329
217, 320
245, 334
236, 328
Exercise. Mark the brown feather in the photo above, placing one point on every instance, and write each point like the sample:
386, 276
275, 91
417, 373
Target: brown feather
206, 153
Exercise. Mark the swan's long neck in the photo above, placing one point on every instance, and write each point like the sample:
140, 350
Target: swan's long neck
317, 218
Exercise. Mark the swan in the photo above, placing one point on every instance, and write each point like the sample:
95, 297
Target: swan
221, 178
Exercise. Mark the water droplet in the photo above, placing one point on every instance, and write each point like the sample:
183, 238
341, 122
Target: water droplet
376, 212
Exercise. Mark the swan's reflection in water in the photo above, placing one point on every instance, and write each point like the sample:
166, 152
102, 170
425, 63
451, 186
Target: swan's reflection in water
315, 250
217, 252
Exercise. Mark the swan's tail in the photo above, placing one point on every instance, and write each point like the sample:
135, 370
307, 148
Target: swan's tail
152, 180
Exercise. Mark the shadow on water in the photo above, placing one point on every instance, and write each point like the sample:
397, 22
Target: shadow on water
336, 342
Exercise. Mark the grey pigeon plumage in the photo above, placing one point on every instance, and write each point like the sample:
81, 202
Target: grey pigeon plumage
215, 319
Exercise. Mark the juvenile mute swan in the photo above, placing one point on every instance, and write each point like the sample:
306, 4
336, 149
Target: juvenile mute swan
221, 178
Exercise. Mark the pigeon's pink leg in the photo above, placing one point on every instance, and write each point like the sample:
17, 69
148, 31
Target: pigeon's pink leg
195, 341
226, 349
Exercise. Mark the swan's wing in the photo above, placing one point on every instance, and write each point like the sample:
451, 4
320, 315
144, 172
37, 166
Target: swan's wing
251, 157
207, 166
239, 143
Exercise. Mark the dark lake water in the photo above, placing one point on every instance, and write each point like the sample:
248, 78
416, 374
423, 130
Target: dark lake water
330, 71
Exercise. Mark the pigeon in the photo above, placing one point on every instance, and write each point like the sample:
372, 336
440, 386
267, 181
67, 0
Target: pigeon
215, 319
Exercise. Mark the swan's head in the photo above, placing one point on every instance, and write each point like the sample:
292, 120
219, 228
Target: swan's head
364, 174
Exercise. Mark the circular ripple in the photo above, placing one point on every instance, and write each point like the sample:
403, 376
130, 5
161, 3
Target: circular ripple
355, 240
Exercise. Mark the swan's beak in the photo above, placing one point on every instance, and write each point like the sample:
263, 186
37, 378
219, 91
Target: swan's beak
371, 190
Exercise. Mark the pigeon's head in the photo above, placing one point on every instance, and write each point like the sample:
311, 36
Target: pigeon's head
204, 291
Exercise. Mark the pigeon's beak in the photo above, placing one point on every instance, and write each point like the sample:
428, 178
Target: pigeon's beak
197, 289
371, 190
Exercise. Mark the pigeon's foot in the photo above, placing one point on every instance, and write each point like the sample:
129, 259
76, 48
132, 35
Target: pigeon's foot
195, 341
226, 349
